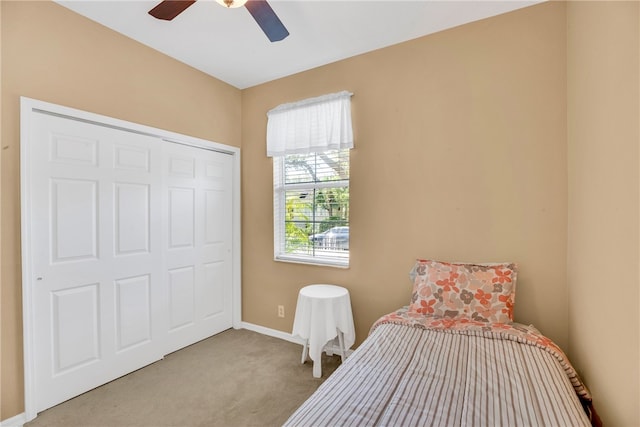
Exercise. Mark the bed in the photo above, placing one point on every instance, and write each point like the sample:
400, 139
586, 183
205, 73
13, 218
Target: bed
447, 360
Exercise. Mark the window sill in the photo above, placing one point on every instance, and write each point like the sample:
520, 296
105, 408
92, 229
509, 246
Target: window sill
313, 261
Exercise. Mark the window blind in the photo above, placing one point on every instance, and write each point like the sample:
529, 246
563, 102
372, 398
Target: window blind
312, 199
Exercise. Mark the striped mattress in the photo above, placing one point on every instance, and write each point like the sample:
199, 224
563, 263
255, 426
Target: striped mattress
403, 375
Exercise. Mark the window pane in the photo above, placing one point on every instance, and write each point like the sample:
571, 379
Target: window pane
313, 207
317, 167
316, 219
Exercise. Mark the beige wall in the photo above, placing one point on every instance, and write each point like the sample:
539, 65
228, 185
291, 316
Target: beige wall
604, 257
460, 155
55, 55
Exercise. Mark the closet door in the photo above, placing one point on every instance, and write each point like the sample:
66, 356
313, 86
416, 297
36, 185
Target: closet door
97, 280
198, 201
130, 251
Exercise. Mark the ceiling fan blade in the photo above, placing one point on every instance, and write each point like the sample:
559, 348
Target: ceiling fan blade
169, 9
267, 19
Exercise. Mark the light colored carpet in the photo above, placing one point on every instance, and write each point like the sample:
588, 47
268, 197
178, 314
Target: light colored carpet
236, 378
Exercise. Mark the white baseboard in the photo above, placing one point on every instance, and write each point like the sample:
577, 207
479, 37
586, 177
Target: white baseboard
17, 421
271, 332
329, 348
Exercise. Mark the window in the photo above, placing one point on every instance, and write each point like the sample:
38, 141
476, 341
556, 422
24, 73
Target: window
309, 141
311, 207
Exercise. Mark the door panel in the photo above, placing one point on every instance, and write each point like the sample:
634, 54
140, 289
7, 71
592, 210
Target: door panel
199, 195
73, 150
133, 308
93, 221
74, 214
214, 292
75, 327
181, 297
131, 158
132, 220
214, 216
181, 217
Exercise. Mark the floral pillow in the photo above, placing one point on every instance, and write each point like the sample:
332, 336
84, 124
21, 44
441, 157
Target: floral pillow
482, 292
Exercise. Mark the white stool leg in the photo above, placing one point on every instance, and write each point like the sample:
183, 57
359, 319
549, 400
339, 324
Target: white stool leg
341, 341
317, 368
305, 351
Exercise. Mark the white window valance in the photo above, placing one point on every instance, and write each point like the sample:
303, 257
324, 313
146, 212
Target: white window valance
311, 125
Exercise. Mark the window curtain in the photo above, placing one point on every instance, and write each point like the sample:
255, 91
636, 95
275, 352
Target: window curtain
311, 125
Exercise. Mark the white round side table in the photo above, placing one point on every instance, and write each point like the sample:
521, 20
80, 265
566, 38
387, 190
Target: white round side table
323, 312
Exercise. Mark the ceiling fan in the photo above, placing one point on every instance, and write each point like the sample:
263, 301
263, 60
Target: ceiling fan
259, 9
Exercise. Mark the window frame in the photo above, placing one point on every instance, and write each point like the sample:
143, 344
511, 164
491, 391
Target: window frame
280, 189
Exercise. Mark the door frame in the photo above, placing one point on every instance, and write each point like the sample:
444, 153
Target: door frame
29, 107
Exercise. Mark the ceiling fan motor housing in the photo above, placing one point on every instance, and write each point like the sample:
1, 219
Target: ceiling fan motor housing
232, 3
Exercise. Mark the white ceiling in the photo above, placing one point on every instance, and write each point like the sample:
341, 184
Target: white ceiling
229, 45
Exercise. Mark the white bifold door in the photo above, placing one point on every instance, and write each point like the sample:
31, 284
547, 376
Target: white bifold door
130, 240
